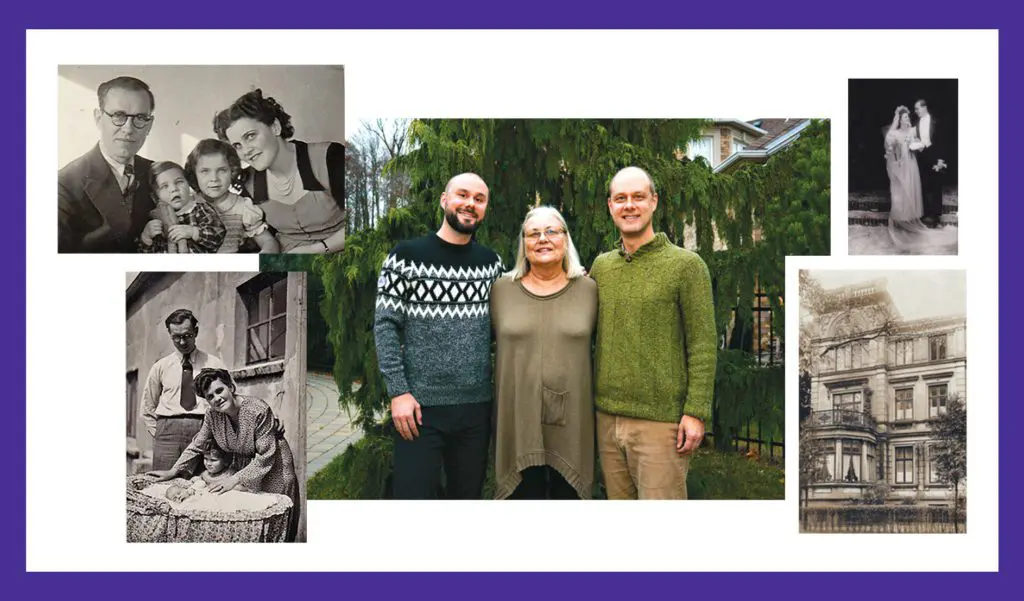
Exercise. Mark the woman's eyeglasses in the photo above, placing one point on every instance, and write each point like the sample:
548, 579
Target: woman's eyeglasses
549, 233
139, 120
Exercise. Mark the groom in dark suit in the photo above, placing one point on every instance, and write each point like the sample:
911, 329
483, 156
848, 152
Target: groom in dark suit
103, 196
931, 163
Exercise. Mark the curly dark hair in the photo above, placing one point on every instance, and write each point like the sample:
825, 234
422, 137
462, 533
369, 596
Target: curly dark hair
207, 147
207, 376
253, 105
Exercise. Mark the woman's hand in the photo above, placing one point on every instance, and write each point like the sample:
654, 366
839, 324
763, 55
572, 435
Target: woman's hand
224, 485
163, 475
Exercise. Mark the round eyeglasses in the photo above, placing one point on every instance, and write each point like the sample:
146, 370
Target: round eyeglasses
139, 120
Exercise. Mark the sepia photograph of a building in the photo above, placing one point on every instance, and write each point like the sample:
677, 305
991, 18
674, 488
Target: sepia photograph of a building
882, 401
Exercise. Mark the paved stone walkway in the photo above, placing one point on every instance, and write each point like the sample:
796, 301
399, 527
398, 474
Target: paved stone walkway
329, 430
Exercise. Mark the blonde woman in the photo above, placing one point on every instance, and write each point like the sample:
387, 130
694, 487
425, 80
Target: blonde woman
543, 313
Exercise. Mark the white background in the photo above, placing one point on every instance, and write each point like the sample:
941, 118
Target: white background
76, 311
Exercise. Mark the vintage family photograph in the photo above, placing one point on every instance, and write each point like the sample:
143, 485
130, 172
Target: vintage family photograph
201, 159
216, 407
883, 419
903, 167
463, 352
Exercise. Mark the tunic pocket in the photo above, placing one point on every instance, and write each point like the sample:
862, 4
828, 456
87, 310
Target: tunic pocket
553, 407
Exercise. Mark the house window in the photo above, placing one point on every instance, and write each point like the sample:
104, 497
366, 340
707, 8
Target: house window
937, 400
132, 394
702, 147
904, 465
937, 347
870, 467
266, 305
904, 352
849, 401
826, 461
852, 461
905, 404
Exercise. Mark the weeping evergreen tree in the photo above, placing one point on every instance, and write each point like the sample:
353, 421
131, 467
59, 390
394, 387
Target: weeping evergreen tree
568, 164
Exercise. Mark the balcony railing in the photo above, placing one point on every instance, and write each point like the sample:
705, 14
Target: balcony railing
842, 417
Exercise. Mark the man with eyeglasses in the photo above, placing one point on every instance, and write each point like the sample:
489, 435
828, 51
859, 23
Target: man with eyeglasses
655, 354
433, 336
171, 409
103, 196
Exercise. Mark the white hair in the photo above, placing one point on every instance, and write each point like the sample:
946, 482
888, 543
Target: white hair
571, 264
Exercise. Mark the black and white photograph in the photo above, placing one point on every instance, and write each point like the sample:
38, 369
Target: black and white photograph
883, 419
201, 159
216, 407
903, 167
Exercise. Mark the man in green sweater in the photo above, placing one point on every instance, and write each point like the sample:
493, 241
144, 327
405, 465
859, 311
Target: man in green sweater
656, 350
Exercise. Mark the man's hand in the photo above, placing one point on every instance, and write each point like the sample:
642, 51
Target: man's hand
406, 414
277, 428
690, 435
153, 229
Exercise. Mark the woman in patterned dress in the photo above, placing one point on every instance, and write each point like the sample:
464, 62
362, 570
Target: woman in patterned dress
244, 426
298, 185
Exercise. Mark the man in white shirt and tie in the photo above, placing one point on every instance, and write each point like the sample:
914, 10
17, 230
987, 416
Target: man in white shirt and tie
930, 163
171, 410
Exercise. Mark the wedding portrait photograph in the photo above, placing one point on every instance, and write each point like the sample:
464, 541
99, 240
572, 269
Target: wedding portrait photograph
883, 384
461, 232
216, 407
201, 159
903, 167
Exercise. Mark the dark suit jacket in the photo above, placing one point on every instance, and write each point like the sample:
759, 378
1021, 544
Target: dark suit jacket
90, 215
933, 153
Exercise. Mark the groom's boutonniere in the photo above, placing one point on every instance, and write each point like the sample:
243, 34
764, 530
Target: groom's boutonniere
939, 166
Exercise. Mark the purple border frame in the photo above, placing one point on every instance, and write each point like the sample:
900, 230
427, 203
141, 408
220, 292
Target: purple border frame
535, 14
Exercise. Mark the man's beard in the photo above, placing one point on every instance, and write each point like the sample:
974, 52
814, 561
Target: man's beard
452, 218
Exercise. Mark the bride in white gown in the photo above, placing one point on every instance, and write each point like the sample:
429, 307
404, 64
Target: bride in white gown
906, 230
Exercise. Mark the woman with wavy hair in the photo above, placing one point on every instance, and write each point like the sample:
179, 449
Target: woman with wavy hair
299, 185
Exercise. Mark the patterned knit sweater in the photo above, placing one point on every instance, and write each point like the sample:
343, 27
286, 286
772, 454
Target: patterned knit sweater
656, 343
433, 321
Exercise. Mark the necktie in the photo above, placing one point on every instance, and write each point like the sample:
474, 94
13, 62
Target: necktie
188, 394
130, 186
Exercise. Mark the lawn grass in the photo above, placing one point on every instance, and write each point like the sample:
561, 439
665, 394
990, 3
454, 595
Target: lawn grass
713, 475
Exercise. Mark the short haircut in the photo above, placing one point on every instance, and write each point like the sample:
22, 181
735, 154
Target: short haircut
124, 82
208, 147
159, 168
922, 102
180, 316
650, 180
207, 376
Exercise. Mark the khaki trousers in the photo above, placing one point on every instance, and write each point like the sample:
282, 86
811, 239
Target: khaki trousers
639, 458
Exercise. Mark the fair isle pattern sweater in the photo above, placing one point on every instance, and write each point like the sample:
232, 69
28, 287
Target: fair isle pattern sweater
656, 348
433, 323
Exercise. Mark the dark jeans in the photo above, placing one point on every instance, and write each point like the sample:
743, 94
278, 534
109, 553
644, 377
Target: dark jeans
543, 482
454, 438
172, 437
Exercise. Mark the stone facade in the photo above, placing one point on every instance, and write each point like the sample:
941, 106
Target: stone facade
873, 396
